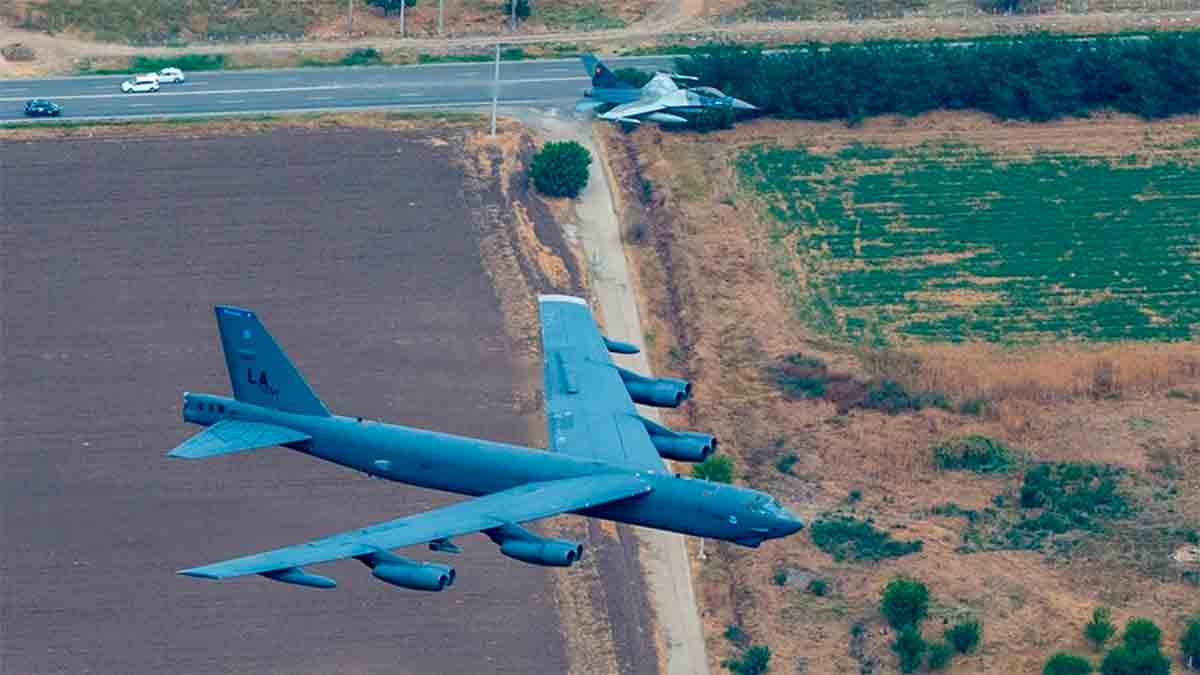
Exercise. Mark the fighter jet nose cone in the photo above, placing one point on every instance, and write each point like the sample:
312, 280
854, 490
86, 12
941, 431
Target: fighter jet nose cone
739, 104
789, 524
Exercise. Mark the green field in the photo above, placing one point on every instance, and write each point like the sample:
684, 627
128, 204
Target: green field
950, 242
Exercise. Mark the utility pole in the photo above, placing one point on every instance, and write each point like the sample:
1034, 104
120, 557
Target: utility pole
514, 16
441, 14
403, 4
349, 17
495, 90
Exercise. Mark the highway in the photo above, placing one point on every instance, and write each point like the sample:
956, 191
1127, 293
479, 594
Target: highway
434, 86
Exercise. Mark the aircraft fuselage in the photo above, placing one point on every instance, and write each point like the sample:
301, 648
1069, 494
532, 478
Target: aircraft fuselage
472, 466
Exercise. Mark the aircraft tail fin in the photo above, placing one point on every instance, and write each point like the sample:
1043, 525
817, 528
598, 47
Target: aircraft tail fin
602, 77
261, 374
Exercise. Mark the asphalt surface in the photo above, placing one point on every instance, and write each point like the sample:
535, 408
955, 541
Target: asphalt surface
557, 82
360, 250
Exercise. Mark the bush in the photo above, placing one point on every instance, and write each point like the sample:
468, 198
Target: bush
1141, 634
972, 453
1125, 661
364, 56
1063, 663
818, 587
964, 636
713, 119
780, 577
1190, 642
1100, 629
736, 635
1081, 494
905, 602
909, 646
718, 469
560, 169
784, 464
891, 397
754, 661
184, 62
940, 655
844, 536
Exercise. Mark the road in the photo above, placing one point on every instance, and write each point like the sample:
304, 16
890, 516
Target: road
434, 86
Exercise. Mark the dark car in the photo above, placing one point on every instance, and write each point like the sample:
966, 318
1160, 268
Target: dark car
40, 107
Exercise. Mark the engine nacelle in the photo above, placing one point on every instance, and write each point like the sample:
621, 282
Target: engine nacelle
399, 571
661, 392
548, 552
419, 576
685, 446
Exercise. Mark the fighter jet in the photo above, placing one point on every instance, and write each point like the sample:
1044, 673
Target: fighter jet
660, 100
604, 461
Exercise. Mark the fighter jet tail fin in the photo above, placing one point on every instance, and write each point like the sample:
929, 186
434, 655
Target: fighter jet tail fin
602, 77
261, 374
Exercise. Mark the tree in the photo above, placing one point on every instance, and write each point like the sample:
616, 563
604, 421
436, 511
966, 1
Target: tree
1100, 629
755, 661
1141, 634
560, 169
940, 655
389, 6
905, 602
1123, 660
634, 76
964, 635
1063, 663
718, 469
1190, 643
909, 646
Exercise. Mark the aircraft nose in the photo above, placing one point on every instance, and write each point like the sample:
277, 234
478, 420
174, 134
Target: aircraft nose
739, 104
789, 523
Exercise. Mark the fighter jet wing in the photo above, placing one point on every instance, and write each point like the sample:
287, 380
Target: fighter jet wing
630, 111
588, 410
516, 505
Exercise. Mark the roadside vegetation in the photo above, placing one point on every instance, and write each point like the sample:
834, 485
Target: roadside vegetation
560, 169
1030, 77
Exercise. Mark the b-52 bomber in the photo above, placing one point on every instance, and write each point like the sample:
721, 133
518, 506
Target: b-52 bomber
659, 100
604, 460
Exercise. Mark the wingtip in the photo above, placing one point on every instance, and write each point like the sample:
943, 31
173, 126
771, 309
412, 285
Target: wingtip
561, 298
198, 572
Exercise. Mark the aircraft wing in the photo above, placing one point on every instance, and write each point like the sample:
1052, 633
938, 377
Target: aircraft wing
629, 111
516, 505
588, 410
228, 436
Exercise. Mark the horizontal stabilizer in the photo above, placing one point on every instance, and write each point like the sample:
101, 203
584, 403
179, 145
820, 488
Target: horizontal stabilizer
228, 436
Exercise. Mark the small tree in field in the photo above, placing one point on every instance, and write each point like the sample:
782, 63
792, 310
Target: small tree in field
1063, 663
718, 469
905, 602
1190, 643
964, 635
910, 646
560, 169
1100, 629
1142, 634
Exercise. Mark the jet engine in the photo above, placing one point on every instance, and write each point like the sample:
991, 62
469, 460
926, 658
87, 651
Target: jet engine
661, 392
398, 571
519, 543
683, 446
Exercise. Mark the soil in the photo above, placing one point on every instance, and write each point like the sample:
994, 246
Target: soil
360, 240
707, 279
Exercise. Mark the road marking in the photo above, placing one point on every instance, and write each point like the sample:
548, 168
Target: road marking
320, 98
236, 100
140, 105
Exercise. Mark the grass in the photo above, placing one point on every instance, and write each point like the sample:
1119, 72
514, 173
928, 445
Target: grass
846, 537
807, 10
950, 242
592, 17
972, 453
174, 21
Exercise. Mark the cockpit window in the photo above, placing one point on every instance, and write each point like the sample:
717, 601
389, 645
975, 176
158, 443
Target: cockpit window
709, 91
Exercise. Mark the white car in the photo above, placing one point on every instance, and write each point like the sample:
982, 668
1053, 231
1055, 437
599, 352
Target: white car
170, 75
140, 84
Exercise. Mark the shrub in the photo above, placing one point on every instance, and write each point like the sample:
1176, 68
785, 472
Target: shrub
844, 536
713, 119
754, 661
800, 376
736, 635
818, 587
784, 464
1100, 629
780, 577
891, 397
718, 469
1189, 643
560, 169
1080, 493
1125, 661
905, 602
909, 646
964, 635
185, 62
1063, 663
972, 453
940, 655
854, 497
364, 56
1142, 634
